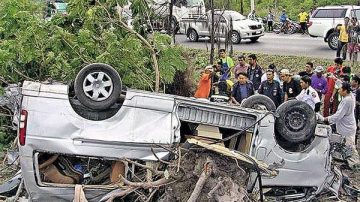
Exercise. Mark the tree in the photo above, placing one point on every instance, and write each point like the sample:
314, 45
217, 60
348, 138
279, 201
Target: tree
34, 48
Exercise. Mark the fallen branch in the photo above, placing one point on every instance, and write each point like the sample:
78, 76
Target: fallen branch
208, 169
109, 197
213, 190
157, 172
146, 185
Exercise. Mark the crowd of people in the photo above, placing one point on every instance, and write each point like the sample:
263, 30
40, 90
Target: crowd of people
332, 92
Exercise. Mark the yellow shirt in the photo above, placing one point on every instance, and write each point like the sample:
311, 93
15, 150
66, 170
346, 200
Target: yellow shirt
303, 16
343, 37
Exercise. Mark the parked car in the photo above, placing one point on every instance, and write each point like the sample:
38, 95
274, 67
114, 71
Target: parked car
324, 20
63, 128
56, 6
242, 28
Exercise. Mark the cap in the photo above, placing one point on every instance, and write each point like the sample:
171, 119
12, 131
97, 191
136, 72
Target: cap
285, 71
210, 68
319, 69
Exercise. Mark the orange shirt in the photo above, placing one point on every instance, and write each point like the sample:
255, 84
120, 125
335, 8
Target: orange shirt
204, 86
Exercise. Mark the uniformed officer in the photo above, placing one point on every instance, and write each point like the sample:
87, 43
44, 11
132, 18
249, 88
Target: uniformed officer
308, 94
271, 88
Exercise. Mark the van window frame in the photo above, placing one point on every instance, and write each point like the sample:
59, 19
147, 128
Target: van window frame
343, 14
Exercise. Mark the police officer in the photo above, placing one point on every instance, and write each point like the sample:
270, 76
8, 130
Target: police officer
308, 94
271, 88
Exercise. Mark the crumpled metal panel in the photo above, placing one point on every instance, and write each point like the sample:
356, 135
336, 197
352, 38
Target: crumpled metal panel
221, 117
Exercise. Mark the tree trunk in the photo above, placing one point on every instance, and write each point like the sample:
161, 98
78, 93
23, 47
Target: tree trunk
169, 30
242, 7
212, 34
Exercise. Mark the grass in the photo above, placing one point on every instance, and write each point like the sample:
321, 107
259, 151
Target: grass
293, 63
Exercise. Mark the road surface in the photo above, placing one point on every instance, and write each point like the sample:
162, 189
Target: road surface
277, 44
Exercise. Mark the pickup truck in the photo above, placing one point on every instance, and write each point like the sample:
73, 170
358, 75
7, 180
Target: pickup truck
242, 28
61, 131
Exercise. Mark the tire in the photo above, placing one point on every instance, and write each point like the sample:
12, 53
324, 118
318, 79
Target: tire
193, 35
333, 40
235, 37
98, 86
254, 39
256, 101
94, 115
295, 122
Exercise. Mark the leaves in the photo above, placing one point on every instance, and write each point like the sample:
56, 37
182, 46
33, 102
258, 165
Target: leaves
59, 48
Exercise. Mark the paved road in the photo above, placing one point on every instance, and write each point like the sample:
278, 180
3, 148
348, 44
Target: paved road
278, 44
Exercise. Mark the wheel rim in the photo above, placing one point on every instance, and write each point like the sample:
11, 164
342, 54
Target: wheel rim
192, 36
295, 121
234, 37
98, 86
334, 41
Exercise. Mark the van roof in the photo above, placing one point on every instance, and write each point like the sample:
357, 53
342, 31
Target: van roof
342, 6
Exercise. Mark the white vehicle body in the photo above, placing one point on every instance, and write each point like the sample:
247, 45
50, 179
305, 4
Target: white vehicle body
242, 28
324, 20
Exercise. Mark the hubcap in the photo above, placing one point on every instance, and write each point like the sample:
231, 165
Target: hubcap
334, 41
234, 37
98, 86
192, 36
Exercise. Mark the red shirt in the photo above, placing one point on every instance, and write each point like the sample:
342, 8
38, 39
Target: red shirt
331, 80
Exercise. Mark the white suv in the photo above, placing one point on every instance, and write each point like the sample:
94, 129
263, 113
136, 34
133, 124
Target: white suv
325, 19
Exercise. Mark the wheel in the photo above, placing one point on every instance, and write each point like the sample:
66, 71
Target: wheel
254, 39
235, 37
295, 122
193, 35
333, 40
259, 102
98, 86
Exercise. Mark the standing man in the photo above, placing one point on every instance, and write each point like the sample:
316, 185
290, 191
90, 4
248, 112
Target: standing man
204, 86
283, 20
333, 74
291, 87
344, 119
308, 94
303, 19
355, 85
343, 37
242, 89
271, 88
227, 65
252, 15
270, 21
318, 82
308, 70
254, 71
241, 66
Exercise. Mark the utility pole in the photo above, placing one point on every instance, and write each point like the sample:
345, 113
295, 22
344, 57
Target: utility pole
252, 5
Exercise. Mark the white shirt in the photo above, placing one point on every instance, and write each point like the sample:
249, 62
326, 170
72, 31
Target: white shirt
310, 96
344, 117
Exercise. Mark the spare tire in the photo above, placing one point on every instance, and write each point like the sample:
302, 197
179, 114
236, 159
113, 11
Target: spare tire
256, 101
98, 86
295, 122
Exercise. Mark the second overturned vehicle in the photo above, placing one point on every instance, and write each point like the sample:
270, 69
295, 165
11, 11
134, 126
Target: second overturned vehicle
63, 129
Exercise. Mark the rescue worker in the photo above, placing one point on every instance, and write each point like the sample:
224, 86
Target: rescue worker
308, 94
344, 119
254, 71
271, 88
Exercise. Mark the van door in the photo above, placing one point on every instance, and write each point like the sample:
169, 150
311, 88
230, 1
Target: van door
325, 19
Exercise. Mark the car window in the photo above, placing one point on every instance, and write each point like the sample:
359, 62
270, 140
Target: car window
330, 13
235, 16
219, 18
356, 13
